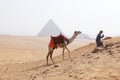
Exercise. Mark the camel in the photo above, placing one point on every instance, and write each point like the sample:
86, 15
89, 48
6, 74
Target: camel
62, 42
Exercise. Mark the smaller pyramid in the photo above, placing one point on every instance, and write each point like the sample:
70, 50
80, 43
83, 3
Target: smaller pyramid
83, 36
49, 29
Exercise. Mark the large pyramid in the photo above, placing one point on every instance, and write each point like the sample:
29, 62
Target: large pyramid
49, 29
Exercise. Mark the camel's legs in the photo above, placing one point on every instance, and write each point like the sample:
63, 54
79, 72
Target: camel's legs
51, 57
47, 57
50, 51
63, 52
68, 51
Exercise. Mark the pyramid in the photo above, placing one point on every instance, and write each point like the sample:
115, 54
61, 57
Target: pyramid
49, 29
83, 36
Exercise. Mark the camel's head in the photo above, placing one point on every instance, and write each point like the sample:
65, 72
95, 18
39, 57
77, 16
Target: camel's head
77, 32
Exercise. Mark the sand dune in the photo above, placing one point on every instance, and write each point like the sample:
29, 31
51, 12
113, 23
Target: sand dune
20, 49
84, 65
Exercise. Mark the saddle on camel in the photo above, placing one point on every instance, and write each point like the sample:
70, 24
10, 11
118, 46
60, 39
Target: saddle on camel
60, 40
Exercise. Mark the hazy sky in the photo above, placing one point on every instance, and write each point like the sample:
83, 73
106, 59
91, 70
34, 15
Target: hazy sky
28, 17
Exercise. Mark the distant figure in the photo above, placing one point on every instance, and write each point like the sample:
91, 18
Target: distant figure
98, 39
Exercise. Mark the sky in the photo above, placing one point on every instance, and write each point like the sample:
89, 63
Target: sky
28, 17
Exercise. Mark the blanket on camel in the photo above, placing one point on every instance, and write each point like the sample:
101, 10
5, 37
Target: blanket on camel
57, 40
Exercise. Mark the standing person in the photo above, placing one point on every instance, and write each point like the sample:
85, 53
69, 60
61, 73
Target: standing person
98, 39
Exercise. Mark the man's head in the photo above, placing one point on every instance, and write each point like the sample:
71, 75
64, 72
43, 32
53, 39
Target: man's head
101, 31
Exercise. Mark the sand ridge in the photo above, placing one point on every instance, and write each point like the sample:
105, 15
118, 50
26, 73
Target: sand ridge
20, 49
102, 65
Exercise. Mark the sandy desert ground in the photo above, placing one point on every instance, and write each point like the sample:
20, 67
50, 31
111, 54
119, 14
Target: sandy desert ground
84, 65
19, 49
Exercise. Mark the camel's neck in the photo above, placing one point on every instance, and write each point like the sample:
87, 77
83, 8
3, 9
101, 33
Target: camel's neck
72, 38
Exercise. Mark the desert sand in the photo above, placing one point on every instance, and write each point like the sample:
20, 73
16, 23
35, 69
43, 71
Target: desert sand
21, 61
19, 49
